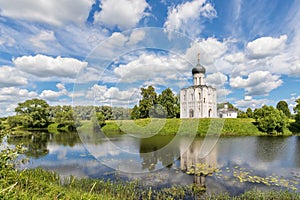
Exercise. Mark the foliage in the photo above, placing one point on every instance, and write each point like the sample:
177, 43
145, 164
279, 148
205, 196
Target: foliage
270, 119
297, 116
170, 103
135, 113
32, 113
98, 119
249, 113
149, 98
163, 105
283, 106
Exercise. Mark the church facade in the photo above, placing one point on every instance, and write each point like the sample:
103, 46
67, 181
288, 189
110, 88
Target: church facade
198, 100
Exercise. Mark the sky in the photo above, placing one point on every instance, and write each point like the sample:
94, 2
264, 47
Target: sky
92, 52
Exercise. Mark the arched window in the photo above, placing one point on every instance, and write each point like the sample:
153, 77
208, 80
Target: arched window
191, 113
210, 113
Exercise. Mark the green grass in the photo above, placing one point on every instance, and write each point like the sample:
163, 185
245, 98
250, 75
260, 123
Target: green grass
231, 127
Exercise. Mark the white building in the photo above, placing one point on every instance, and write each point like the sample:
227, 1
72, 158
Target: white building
227, 112
199, 100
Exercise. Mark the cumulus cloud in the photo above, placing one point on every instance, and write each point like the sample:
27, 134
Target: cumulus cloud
253, 103
10, 76
149, 66
217, 80
265, 46
113, 95
235, 58
210, 50
257, 83
46, 66
124, 14
53, 95
54, 12
186, 17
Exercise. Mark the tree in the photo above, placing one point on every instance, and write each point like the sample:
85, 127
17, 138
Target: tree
249, 113
35, 111
283, 106
135, 113
149, 99
169, 102
270, 119
98, 120
297, 111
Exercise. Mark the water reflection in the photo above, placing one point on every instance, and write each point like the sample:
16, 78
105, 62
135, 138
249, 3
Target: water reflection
37, 144
192, 158
263, 156
269, 149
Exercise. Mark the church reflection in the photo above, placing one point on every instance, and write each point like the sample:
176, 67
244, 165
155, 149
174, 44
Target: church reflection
192, 157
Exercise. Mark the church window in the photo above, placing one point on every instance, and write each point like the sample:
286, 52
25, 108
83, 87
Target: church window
204, 100
199, 95
192, 97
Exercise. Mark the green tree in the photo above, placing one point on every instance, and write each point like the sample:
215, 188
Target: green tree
149, 99
297, 116
35, 111
249, 113
135, 113
270, 119
98, 120
169, 102
283, 106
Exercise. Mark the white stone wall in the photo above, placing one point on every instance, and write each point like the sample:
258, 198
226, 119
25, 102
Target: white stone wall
198, 102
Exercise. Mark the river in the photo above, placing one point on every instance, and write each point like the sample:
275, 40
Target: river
238, 163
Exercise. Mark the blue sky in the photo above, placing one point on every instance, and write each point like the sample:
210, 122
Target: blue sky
251, 50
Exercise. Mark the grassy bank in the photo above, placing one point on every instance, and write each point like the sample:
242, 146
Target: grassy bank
40, 184
229, 127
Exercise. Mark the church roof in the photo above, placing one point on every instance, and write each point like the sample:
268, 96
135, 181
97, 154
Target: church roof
198, 69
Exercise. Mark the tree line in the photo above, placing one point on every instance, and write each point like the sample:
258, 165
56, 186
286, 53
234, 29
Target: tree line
37, 113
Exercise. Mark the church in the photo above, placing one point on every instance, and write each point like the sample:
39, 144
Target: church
198, 100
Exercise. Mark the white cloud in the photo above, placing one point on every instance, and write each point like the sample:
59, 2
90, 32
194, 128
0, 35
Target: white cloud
113, 95
266, 46
257, 83
253, 103
150, 66
11, 96
217, 80
53, 95
235, 58
54, 12
210, 50
136, 36
42, 38
186, 17
10, 76
124, 14
45, 66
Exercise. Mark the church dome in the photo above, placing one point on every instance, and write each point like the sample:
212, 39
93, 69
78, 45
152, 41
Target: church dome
198, 69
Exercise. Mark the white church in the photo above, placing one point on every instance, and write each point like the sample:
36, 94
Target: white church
199, 100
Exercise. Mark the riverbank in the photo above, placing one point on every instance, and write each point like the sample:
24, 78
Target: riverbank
42, 184
226, 127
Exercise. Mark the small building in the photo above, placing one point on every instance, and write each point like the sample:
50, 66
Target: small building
198, 100
226, 112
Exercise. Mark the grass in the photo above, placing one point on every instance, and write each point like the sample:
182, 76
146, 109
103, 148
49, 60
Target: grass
230, 127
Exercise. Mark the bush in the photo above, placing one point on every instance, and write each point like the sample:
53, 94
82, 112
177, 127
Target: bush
270, 120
